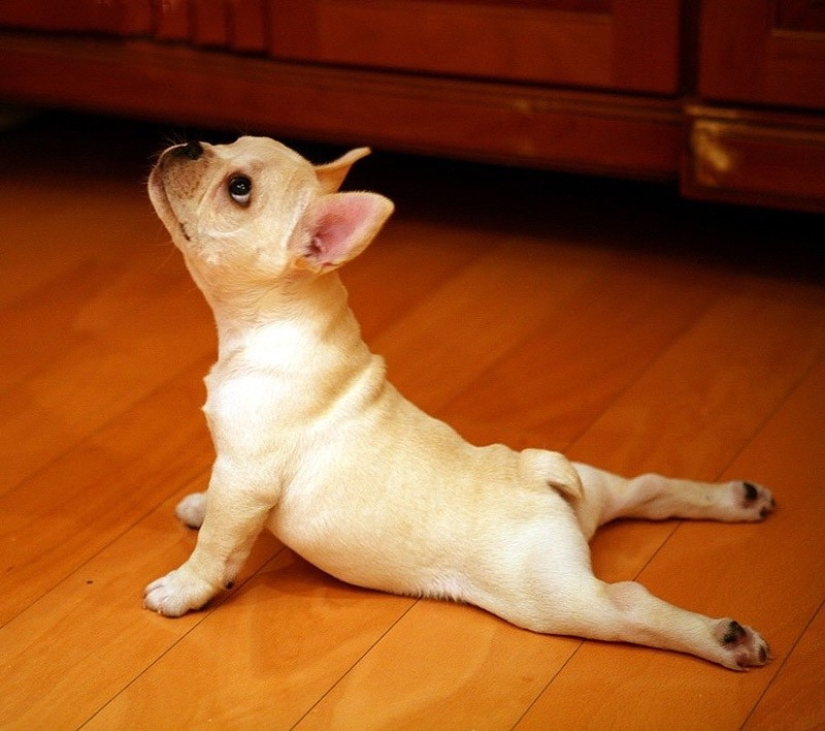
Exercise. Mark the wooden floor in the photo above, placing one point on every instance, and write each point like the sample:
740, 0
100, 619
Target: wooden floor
606, 320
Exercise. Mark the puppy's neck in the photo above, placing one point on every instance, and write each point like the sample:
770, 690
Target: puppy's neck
317, 305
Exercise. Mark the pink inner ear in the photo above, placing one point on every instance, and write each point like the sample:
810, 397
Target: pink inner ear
315, 249
341, 223
329, 242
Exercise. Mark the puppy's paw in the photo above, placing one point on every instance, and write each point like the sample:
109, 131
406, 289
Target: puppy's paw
176, 593
743, 647
753, 501
191, 509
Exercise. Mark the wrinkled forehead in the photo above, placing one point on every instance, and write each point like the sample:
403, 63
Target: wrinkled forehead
265, 159
260, 150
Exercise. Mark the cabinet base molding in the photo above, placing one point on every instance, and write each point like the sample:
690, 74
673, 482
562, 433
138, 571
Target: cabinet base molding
608, 133
755, 157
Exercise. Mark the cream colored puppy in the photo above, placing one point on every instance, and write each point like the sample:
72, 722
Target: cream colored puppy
315, 444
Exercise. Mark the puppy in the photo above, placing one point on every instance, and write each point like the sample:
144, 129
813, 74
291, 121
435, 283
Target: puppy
313, 443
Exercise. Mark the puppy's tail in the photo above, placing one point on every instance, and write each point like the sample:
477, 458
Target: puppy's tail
555, 470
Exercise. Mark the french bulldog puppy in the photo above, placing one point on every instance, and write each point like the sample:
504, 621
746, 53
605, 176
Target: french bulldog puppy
314, 443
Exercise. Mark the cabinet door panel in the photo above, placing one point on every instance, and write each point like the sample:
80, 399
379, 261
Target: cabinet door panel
124, 17
588, 43
209, 23
763, 51
234, 24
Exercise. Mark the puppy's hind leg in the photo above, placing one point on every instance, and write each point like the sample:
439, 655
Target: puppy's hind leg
627, 612
545, 583
651, 496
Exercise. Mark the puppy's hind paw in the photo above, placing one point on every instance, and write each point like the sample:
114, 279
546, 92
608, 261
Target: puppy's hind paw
755, 501
743, 647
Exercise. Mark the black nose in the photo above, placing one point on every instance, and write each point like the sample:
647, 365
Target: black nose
192, 150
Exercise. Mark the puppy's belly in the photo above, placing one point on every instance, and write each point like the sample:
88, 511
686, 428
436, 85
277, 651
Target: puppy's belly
424, 526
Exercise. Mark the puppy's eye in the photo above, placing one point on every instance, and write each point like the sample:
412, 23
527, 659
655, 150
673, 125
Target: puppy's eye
240, 189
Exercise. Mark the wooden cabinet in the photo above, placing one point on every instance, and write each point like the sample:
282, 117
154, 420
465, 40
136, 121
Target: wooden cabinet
231, 24
607, 44
766, 53
726, 96
757, 131
121, 18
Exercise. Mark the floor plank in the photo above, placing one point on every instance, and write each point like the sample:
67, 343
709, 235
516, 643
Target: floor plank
88, 638
577, 366
448, 665
290, 633
795, 696
76, 504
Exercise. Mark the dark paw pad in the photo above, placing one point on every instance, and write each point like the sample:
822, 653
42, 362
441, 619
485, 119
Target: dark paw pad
734, 634
747, 648
757, 500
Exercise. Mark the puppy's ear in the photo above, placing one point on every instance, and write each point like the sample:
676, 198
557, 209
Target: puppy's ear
338, 227
331, 175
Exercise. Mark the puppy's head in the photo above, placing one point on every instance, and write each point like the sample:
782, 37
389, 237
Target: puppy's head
253, 212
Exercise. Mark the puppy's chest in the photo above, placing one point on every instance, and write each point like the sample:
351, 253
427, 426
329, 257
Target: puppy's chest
251, 402
267, 409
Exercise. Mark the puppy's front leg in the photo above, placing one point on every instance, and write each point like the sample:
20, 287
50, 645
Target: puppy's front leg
231, 523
